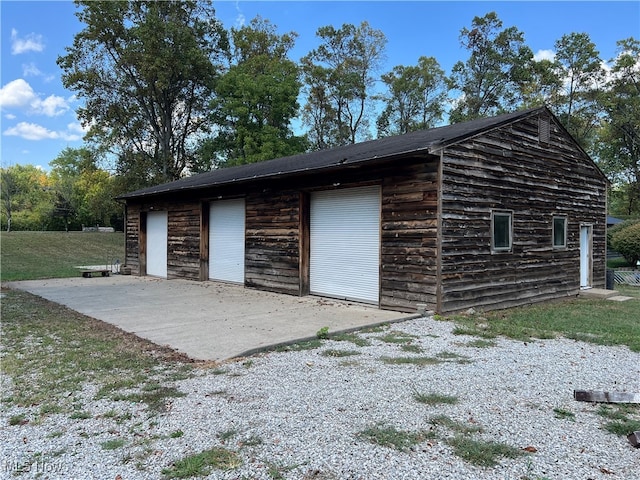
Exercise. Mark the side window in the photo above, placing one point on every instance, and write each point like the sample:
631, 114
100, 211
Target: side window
501, 231
559, 232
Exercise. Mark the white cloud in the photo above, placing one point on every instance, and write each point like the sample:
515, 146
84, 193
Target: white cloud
545, 55
30, 70
52, 106
16, 93
240, 19
19, 94
10, 116
35, 132
30, 43
31, 131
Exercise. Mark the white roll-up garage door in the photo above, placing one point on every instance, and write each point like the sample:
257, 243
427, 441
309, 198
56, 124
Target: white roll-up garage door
345, 243
157, 244
226, 240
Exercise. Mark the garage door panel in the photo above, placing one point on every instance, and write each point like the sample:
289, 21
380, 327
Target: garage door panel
227, 240
157, 244
345, 243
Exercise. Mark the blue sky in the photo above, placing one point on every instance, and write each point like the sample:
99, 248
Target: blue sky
37, 115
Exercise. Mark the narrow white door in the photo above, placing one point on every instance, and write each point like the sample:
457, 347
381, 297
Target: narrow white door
345, 243
157, 244
226, 240
585, 256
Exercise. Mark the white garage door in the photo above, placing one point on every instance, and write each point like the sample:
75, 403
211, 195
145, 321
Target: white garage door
345, 243
157, 244
226, 240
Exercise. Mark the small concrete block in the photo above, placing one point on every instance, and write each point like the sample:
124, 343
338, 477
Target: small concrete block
619, 298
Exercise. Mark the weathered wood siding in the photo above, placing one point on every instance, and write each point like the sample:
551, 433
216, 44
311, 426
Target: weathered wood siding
511, 169
132, 238
409, 228
183, 237
272, 254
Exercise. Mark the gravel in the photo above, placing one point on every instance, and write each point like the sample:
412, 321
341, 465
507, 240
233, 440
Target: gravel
301, 414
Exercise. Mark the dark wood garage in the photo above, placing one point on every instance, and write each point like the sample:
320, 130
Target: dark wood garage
491, 213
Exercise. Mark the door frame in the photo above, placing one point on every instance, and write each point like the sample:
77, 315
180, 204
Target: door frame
586, 255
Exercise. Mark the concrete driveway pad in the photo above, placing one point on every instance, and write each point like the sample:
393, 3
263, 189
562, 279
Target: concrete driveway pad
205, 320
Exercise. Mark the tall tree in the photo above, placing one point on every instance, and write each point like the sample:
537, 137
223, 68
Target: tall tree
578, 64
27, 198
618, 145
498, 65
415, 98
338, 78
145, 70
257, 98
84, 193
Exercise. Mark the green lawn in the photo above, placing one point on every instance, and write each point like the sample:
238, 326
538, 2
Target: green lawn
603, 322
32, 255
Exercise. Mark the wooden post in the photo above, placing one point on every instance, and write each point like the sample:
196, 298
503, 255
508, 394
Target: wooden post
606, 397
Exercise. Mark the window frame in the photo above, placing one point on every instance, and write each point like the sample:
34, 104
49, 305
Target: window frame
501, 214
564, 233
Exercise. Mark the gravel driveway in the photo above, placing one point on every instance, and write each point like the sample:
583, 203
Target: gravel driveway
307, 414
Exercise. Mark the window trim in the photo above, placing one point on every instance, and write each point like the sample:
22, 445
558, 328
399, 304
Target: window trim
553, 231
509, 215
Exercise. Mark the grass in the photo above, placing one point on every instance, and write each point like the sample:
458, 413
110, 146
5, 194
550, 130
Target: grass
396, 336
482, 453
351, 337
596, 321
339, 353
200, 464
455, 426
418, 361
51, 352
33, 255
564, 414
114, 444
389, 436
622, 419
434, 398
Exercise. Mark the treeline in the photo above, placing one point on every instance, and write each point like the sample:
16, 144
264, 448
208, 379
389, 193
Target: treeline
169, 92
75, 193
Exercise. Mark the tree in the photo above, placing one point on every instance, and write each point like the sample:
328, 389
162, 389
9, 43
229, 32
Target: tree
618, 145
415, 99
578, 64
84, 193
491, 79
8, 191
145, 71
626, 242
338, 78
27, 198
257, 98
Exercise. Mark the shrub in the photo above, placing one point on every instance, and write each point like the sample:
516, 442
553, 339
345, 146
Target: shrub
619, 227
626, 242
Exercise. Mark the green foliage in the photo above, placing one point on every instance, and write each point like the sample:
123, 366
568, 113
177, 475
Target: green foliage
482, 453
323, 333
27, 198
391, 437
626, 242
491, 78
618, 146
200, 464
434, 398
338, 78
415, 99
256, 99
145, 71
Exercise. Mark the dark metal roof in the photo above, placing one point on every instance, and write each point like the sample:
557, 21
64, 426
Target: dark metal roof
421, 141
